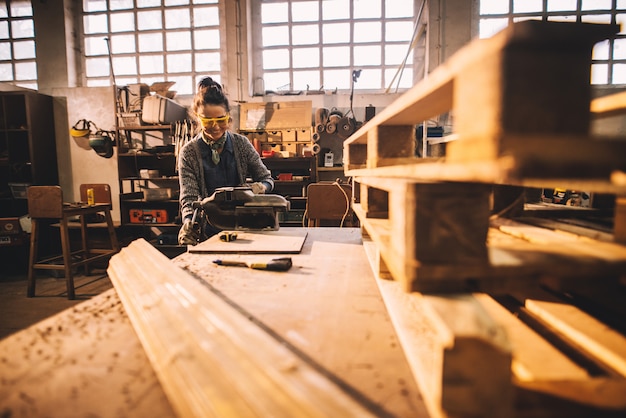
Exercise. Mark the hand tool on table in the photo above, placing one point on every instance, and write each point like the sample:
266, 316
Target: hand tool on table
228, 236
275, 264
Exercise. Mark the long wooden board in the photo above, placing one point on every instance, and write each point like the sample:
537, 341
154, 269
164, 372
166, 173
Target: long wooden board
283, 241
211, 360
326, 306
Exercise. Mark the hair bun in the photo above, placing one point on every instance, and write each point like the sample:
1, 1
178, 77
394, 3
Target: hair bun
208, 82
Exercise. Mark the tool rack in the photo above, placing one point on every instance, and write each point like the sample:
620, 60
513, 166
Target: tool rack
472, 294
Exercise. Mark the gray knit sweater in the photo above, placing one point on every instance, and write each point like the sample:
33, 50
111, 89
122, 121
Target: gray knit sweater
191, 175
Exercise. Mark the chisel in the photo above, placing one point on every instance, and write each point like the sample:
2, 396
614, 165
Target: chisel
275, 264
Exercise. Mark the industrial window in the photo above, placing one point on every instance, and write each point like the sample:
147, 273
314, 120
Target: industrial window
148, 41
609, 57
17, 44
322, 44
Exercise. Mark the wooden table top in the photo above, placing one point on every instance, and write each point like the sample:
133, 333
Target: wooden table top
88, 359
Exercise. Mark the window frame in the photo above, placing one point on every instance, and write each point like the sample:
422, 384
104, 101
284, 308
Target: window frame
580, 16
12, 41
191, 76
257, 70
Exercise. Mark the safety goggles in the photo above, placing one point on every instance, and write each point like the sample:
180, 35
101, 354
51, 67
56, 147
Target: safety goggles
222, 121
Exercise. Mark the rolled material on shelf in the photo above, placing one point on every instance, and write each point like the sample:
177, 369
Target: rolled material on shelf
316, 149
321, 118
315, 137
333, 121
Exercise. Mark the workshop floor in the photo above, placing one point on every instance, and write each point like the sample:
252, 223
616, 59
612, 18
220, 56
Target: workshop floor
18, 312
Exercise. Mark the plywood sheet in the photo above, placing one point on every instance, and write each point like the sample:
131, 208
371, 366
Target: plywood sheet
283, 241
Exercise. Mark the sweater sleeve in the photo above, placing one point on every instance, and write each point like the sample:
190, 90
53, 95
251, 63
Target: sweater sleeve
190, 178
250, 164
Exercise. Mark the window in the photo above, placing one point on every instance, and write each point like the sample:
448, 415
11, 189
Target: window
147, 41
17, 44
319, 44
609, 57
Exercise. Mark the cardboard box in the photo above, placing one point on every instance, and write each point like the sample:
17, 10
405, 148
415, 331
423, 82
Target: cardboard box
274, 116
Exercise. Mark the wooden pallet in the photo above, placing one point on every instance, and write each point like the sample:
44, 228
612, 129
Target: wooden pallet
521, 107
437, 238
431, 217
521, 103
473, 354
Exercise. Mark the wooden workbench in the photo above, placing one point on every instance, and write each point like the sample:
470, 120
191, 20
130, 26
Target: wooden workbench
88, 361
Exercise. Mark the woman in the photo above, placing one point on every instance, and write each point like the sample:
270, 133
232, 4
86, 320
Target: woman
215, 157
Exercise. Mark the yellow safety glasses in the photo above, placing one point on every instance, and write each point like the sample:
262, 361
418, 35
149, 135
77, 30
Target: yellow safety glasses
222, 121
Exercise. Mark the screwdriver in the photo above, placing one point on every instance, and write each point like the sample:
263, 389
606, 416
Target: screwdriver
275, 264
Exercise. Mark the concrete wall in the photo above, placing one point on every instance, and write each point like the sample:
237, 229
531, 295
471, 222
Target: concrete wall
78, 162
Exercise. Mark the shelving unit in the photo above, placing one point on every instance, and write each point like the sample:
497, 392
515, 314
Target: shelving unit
27, 148
148, 184
280, 131
303, 172
27, 157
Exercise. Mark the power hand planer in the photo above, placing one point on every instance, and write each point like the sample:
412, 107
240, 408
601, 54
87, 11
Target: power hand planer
238, 208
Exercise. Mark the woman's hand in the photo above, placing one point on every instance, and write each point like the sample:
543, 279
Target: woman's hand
257, 187
187, 234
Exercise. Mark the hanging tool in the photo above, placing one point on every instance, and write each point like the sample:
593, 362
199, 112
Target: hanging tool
275, 264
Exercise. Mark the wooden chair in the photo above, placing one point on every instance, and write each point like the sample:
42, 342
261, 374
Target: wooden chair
329, 204
46, 203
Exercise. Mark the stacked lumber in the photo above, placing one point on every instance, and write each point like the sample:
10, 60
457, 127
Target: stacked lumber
494, 340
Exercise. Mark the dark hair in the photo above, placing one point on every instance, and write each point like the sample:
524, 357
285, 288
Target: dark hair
210, 92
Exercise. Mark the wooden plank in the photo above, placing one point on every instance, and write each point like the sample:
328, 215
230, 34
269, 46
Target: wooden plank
449, 342
494, 140
593, 397
518, 255
283, 241
429, 224
210, 359
603, 342
504, 170
437, 334
328, 307
534, 359
84, 361
472, 84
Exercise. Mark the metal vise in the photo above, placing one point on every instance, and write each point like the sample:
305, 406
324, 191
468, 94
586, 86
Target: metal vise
238, 208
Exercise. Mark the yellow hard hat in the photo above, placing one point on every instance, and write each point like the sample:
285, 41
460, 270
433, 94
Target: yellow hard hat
81, 129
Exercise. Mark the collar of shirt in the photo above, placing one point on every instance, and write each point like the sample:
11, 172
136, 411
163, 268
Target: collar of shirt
205, 148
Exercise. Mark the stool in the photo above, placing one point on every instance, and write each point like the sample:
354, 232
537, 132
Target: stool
46, 203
